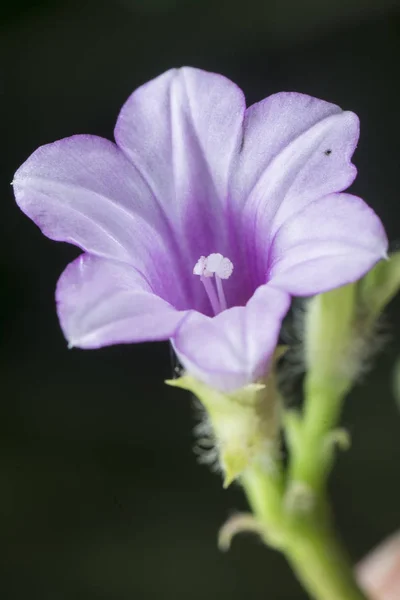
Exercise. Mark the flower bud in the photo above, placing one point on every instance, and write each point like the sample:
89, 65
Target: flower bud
329, 336
380, 285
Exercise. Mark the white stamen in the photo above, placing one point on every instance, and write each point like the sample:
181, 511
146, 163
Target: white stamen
225, 269
213, 261
211, 293
222, 268
200, 266
221, 295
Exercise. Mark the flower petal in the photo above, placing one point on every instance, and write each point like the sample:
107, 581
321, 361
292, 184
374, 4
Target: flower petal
84, 191
181, 130
331, 242
296, 149
233, 349
102, 302
274, 124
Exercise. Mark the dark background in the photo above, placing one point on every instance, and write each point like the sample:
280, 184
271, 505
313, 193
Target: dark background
100, 493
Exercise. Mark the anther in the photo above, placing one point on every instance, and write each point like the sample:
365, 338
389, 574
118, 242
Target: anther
222, 268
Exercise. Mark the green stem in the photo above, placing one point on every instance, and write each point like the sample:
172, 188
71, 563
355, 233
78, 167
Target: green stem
308, 541
312, 455
321, 564
294, 513
265, 491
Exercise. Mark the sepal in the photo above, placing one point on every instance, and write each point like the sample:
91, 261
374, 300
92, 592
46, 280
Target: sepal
245, 423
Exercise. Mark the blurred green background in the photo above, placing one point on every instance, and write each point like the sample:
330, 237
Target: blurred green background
100, 494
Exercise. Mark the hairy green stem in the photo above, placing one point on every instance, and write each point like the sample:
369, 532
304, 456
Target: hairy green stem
313, 449
321, 564
292, 509
307, 540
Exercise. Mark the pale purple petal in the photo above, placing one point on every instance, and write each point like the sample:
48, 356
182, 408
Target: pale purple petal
84, 190
181, 130
296, 149
331, 242
273, 125
234, 348
102, 302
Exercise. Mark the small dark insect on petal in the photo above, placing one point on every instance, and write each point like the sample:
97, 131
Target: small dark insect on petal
328, 152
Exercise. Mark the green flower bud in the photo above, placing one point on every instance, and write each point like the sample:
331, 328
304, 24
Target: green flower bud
380, 285
329, 336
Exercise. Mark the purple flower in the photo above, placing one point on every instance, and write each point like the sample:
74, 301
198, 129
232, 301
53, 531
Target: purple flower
202, 220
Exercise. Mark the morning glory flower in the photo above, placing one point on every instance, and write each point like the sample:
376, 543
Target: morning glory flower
201, 220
